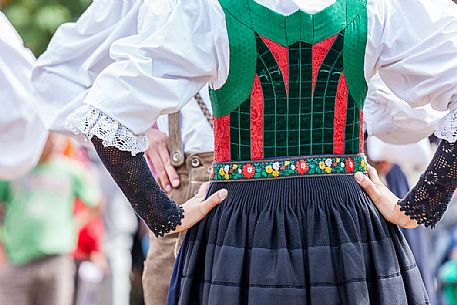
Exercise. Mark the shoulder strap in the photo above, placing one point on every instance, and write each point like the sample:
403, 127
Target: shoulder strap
174, 130
204, 109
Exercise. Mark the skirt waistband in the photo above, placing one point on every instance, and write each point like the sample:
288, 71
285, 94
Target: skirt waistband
289, 167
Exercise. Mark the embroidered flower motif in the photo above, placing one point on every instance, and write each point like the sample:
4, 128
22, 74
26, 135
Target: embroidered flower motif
276, 166
286, 163
328, 170
338, 160
240, 171
227, 168
275, 173
211, 173
328, 162
221, 172
269, 169
248, 170
363, 164
342, 164
302, 167
235, 166
350, 165
227, 176
322, 165
292, 167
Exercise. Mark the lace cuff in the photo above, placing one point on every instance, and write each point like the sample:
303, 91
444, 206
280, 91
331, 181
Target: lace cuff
89, 121
428, 200
447, 126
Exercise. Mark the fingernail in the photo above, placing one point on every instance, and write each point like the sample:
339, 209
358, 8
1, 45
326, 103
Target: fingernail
175, 183
167, 188
359, 177
223, 194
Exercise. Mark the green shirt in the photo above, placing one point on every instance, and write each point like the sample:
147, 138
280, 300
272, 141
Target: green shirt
39, 209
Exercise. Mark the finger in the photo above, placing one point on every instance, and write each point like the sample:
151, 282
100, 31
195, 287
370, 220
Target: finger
213, 200
161, 173
368, 186
203, 190
373, 174
170, 170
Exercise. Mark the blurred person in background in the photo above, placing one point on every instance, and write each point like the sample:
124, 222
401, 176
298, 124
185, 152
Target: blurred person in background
39, 229
22, 134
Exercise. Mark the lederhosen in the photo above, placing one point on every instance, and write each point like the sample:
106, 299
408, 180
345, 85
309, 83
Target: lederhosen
193, 170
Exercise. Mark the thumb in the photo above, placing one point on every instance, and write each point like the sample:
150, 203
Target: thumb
368, 186
213, 200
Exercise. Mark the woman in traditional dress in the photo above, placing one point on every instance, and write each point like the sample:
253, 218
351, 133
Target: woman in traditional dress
289, 81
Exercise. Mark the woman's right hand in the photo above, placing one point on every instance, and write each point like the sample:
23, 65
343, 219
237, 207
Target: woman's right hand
196, 208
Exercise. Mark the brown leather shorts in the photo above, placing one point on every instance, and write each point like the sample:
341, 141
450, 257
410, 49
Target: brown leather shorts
162, 251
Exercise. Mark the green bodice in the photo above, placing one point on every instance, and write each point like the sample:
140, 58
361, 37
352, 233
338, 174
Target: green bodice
296, 84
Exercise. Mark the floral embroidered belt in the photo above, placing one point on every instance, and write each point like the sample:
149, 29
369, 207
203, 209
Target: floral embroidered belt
288, 167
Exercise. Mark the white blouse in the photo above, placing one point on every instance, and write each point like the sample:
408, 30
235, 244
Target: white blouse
22, 134
79, 52
181, 45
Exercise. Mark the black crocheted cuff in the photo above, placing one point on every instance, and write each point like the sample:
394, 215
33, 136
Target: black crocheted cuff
428, 200
175, 215
132, 175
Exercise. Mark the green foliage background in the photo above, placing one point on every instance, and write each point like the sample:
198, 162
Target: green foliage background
37, 20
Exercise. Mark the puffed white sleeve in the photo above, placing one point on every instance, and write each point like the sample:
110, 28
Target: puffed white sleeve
393, 120
155, 71
413, 46
76, 54
22, 134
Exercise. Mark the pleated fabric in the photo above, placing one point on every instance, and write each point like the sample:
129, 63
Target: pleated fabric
299, 241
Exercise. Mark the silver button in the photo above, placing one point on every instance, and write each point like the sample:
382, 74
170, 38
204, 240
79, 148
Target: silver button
176, 156
195, 162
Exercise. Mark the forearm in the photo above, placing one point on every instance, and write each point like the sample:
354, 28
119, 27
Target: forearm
428, 200
132, 175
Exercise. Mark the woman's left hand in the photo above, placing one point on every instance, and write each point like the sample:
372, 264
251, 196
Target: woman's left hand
384, 199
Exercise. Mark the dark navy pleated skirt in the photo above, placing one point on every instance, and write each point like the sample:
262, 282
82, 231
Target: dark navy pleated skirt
299, 241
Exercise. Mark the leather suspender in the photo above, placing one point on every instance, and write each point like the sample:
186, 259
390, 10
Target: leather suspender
174, 127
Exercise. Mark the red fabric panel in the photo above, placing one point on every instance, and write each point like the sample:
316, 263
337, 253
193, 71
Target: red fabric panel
256, 120
339, 119
320, 50
222, 138
281, 54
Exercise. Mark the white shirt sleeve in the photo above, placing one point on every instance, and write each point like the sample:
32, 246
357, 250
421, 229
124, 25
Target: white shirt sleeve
77, 53
393, 120
156, 71
413, 46
22, 135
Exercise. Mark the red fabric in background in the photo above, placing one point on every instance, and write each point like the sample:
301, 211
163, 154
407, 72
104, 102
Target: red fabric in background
90, 236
